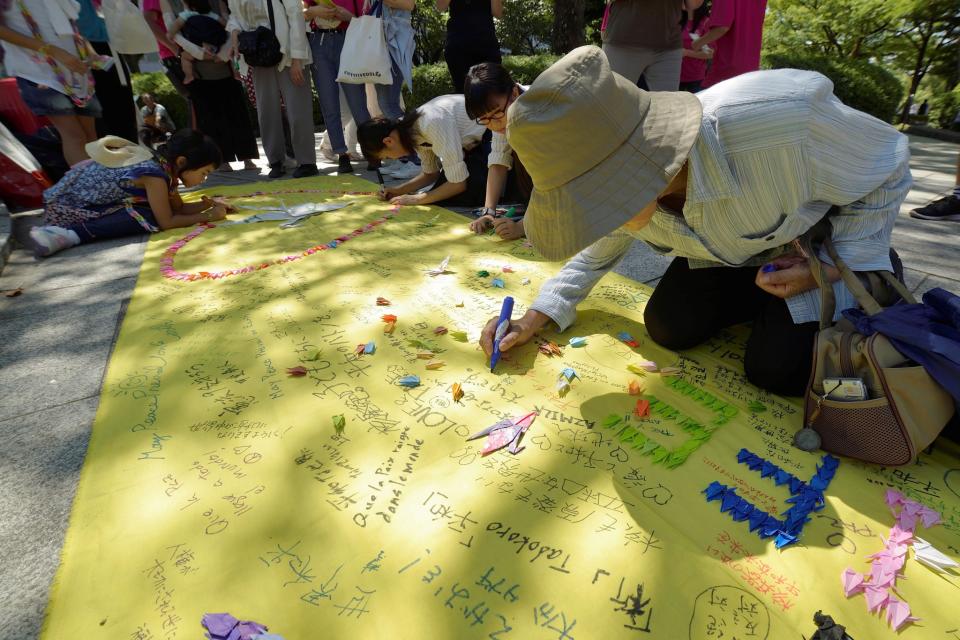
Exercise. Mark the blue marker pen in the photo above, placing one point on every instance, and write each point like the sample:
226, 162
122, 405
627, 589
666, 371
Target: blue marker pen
768, 268
502, 325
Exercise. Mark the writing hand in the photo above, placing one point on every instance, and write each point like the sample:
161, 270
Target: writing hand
508, 229
213, 202
519, 332
792, 277
481, 224
410, 198
217, 212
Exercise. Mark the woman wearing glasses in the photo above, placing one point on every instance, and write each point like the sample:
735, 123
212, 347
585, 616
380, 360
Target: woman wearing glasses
466, 164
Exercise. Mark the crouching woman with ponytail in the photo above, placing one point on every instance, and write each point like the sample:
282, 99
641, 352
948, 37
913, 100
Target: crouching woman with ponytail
444, 136
127, 189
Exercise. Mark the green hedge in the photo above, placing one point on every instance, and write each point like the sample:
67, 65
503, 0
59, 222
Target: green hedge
432, 80
944, 107
860, 84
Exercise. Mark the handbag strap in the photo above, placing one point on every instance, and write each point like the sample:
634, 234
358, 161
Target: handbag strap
273, 23
822, 232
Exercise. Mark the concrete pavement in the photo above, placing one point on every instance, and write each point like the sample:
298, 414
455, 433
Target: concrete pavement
56, 339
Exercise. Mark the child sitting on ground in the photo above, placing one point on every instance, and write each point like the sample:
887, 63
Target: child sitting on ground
203, 27
126, 189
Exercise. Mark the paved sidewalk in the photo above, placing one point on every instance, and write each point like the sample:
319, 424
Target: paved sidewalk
56, 339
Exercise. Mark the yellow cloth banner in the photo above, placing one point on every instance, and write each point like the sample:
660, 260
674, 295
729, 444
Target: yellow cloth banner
216, 482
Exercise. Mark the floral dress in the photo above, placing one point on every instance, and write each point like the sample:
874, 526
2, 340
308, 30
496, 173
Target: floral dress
91, 190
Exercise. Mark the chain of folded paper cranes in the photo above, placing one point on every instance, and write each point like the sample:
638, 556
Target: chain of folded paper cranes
169, 271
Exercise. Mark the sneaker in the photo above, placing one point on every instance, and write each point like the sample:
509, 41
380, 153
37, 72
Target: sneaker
327, 154
305, 171
946, 208
276, 171
48, 240
344, 165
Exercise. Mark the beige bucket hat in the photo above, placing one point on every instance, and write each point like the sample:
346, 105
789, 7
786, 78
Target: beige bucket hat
598, 149
113, 151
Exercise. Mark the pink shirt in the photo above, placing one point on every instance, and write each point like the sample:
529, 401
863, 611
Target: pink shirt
153, 13
738, 51
692, 69
353, 6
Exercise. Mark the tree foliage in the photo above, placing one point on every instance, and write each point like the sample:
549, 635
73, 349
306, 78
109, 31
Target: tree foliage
525, 28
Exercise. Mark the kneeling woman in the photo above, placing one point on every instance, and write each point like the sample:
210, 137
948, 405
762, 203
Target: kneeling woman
126, 189
444, 136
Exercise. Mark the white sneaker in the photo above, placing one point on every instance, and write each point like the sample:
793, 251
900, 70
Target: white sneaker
48, 240
402, 171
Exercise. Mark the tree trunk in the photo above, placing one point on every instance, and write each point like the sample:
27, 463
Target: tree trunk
917, 76
568, 29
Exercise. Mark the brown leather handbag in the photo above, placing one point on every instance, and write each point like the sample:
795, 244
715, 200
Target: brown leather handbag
905, 409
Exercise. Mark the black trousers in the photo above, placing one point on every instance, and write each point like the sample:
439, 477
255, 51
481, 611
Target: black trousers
119, 112
462, 53
689, 306
519, 184
221, 112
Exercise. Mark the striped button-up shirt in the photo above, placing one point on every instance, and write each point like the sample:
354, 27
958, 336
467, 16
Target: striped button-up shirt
776, 150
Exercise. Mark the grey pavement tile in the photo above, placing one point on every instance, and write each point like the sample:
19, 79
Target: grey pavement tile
86, 264
951, 285
913, 278
39, 468
57, 353
56, 304
928, 246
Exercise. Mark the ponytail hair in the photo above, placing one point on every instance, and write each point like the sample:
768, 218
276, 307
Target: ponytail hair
371, 133
198, 149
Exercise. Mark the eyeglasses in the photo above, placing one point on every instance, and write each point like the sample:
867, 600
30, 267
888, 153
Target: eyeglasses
496, 115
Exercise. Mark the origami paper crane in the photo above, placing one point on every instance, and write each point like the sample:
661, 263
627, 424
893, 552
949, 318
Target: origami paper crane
927, 555
482, 273
424, 355
223, 626
564, 380
671, 371
577, 342
290, 216
369, 348
435, 364
457, 392
898, 613
296, 372
439, 331
524, 281
383, 302
642, 410
506, 433
459, 336
409, 381
852, 582
550, 349
339, 422
498, 283
643, 367
634, 388
507, 268
628, 339
440, 269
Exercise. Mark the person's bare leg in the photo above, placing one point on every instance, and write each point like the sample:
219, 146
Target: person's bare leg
89, 126
73, 136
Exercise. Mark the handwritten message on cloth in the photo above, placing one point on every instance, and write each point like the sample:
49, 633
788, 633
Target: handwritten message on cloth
338, 503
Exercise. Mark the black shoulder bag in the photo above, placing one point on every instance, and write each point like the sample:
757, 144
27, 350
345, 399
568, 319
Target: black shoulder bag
260, 47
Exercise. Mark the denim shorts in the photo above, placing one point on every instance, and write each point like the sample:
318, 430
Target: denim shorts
44, 101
